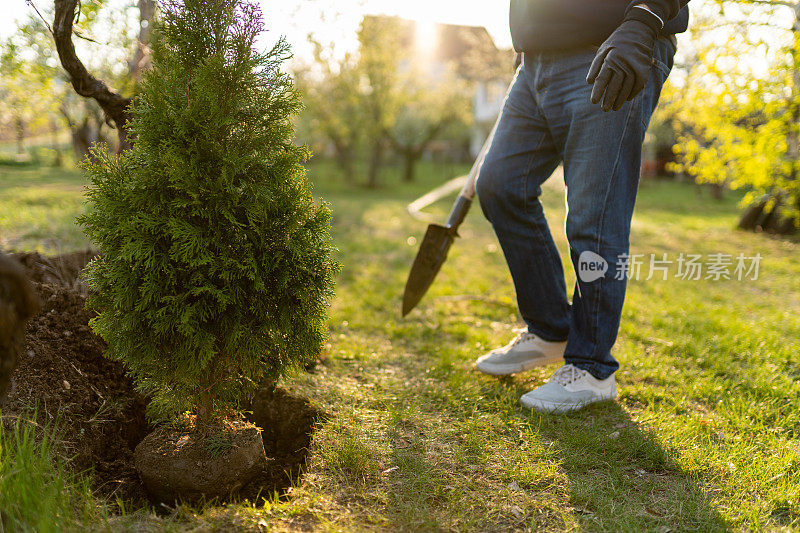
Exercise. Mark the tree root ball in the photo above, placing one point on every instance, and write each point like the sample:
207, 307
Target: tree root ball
177, 465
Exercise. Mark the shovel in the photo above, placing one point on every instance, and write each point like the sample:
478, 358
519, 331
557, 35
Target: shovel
438, 239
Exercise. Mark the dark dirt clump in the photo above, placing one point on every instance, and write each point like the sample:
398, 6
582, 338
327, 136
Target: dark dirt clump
18, 303
62, 270
63, 376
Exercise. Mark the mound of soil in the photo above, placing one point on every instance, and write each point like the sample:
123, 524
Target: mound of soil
18, 303
63, 377
62, 270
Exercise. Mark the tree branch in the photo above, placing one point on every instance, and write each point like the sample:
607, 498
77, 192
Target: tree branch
114, 105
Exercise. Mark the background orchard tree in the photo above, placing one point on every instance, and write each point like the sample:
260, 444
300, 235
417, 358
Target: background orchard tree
25, 90
738, 107
380, 54
114, 102
427, 109
352, 101
333, 112
49, 95
112, 35
383, 100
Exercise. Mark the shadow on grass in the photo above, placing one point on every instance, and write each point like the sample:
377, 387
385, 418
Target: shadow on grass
621, 478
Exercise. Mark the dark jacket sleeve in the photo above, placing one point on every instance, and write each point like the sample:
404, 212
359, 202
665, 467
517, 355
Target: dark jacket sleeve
666, 9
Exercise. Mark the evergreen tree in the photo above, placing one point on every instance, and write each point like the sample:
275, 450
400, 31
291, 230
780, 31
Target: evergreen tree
216, 267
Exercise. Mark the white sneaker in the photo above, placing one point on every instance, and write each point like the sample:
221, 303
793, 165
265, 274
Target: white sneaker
570, 389
523, 353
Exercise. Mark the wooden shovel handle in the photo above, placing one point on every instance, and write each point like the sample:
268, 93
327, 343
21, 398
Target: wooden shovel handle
468, 191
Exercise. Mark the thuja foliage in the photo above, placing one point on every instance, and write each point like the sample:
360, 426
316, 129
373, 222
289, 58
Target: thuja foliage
216, 267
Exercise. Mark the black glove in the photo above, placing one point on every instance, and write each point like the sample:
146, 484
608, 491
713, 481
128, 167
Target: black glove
621, 68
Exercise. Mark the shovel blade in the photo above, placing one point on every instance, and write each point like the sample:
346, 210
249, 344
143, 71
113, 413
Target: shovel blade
430, 258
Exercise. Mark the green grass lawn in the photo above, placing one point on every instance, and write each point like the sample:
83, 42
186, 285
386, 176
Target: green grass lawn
703, 437
38, 206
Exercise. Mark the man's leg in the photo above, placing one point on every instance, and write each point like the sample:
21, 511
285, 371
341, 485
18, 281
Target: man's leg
602, 160
520, 159
603, 153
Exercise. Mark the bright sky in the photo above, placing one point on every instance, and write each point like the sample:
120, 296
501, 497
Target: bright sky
337, 20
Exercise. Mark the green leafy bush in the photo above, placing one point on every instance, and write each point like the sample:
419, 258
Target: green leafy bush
217, 264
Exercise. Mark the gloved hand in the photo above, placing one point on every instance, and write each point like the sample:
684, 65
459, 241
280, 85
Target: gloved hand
621, 68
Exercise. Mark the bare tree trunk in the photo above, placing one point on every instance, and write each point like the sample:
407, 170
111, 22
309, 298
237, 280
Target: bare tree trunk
20, 129
409, 167
752, 215
345, 159
114, 105
375, 164
412, 153
410, 160
205, 411
141, 59
82, 140
59, 159
75, 134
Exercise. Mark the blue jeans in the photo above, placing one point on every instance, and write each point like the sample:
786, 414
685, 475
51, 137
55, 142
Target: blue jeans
548, 119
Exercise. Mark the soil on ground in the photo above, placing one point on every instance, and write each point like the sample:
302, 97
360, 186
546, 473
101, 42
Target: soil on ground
63, 379
287, 422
